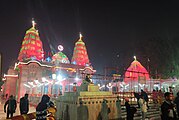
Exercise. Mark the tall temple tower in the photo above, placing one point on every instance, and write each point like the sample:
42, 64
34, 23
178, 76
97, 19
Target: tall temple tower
80, 56
32, 48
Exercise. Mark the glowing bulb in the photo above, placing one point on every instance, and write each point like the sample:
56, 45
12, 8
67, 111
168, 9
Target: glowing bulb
135, 58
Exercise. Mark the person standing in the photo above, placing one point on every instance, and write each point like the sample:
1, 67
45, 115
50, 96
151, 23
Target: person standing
10, 107
160, 97
130, 110
146, 98
137, 96
168, 108
154, 96
143, 107
41, 109
24, 104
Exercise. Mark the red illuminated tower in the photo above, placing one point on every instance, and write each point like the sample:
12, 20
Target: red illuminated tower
32, 48
80, 56
136, 71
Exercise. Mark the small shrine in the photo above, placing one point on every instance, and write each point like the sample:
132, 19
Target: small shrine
88, 103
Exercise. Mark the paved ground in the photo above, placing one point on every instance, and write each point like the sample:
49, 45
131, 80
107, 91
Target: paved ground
3, 115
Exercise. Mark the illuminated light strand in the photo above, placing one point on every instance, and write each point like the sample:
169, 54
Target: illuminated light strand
5, 75
27, 85
32, 61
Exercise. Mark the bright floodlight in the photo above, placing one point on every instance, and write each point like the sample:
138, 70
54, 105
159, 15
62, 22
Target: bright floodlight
36, 81
76, 78
44, 79
59, 77
54, 76
135, 58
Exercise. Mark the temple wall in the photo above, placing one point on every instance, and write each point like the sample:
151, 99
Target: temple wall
10, 84
88, 106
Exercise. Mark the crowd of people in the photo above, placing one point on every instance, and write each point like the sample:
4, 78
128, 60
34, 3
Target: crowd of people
41, 109
166, 101
142, 101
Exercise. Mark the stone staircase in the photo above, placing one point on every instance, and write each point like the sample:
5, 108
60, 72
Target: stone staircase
153, 113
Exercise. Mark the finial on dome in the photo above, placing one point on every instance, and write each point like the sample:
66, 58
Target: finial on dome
33, 23
81, 36
135, 58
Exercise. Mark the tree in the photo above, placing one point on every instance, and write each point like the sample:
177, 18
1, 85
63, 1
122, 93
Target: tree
163, 54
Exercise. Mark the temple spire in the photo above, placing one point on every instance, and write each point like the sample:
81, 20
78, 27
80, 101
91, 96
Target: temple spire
80, 56
32, 48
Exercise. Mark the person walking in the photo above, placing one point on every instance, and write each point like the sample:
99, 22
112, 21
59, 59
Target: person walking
10, 107
168, 108
41, 109
143, 107
24, 105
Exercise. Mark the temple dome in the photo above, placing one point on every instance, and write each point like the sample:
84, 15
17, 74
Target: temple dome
32, 47
136, 71
60, 57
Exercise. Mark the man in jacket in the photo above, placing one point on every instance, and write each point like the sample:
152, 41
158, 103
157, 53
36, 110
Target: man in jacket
24, 105
168, 108
11, 106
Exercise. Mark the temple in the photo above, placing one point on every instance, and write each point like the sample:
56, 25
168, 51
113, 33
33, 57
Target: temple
80, 56
136, 77
36, 75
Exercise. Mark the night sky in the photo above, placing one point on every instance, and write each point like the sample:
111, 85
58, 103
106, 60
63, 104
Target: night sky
113, 31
